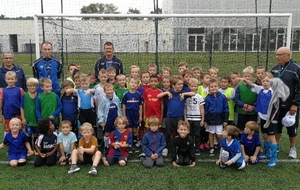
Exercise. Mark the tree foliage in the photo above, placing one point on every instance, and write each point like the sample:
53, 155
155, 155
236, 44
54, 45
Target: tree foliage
134, 11
99, 8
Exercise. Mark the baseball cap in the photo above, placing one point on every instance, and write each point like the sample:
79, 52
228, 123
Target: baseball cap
288, 120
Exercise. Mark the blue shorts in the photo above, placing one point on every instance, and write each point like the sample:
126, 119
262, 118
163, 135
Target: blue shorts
113, 160
133, 118
109, 127
17, 156
31, 130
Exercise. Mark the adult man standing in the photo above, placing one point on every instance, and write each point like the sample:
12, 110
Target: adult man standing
289, 72
109, 60
48, 67
9, 65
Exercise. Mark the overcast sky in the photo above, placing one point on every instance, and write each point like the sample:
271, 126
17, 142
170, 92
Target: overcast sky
16, 8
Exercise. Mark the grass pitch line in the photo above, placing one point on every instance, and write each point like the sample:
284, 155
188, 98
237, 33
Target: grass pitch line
198, 160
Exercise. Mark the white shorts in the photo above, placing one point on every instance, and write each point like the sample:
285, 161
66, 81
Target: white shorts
215, 129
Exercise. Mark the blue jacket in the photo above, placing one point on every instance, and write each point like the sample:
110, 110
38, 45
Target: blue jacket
153, 142
48, 68
216, 109
21, 82
103, 108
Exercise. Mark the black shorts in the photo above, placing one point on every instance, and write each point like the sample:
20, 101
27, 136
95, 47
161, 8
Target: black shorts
271, 130
113, 160
87, 158
87, 115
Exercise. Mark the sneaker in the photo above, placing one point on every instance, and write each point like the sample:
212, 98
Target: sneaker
223, 165
142, 156
293, 153
165, 152
201, 147
132, 150
197, 152
206, 146
73, 169
93, 171
138, 144
211, 152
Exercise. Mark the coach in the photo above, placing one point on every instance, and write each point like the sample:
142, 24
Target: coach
9, 65
48, 67
289, 72
109, 60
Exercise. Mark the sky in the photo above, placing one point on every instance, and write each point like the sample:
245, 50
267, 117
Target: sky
16, 8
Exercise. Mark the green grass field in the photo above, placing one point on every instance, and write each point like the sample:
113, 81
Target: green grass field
205, 175
225, 62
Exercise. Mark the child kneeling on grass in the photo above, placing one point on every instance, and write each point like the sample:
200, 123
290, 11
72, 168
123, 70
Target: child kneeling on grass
153, 144
120, 140
183, 150
87, 152
230, 151
46, 144
17, 143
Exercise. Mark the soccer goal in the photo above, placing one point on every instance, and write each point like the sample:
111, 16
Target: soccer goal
200, 39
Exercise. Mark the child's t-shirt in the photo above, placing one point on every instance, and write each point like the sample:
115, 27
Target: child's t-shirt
92, 142
153, 104
125, 138
233, 148
250, 144
28, 104
16, 145
11, 101
193, 107
66, 140
132, 101
263, 100
175, 105
85, 101
47, 143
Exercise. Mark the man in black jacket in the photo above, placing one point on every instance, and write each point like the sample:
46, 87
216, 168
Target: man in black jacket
289, 72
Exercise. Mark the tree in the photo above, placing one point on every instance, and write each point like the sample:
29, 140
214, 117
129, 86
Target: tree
2, 16
100, 8
134, 11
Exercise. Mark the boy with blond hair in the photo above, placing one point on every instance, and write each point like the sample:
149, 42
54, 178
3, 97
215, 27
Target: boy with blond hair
120, 87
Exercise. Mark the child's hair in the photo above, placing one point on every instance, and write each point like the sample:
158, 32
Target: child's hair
206, 73
267, 74
184, 123
213, 81
67, 83
86, 127
102, 72
154, 76
32, 81
119, 76
174, 79
134, 78
16, 120
71, 65
197, 68
145, 72
153, 121
111, 69
152, 65
44, 126
108, 85
91, 73
234, 73
259, 67
76, 76
252, 125
183, 63
121, 118
44, 81
167, 69
225, 78
11, 73
215, 69
193, 81
84, 77
187, 72
66, 122
232, 131
249, 70
134, 67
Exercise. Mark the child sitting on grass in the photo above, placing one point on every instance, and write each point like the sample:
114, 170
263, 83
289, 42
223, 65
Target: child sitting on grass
120, 139
153, 144
87, 152
230, 151
17, 143
46, 144
183, 150
66, 140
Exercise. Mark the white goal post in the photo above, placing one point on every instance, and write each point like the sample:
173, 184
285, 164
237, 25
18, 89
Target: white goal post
288, 36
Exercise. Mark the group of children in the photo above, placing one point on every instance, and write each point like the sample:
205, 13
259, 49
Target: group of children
194, 110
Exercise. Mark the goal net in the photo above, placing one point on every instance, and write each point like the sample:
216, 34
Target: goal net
226, 41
